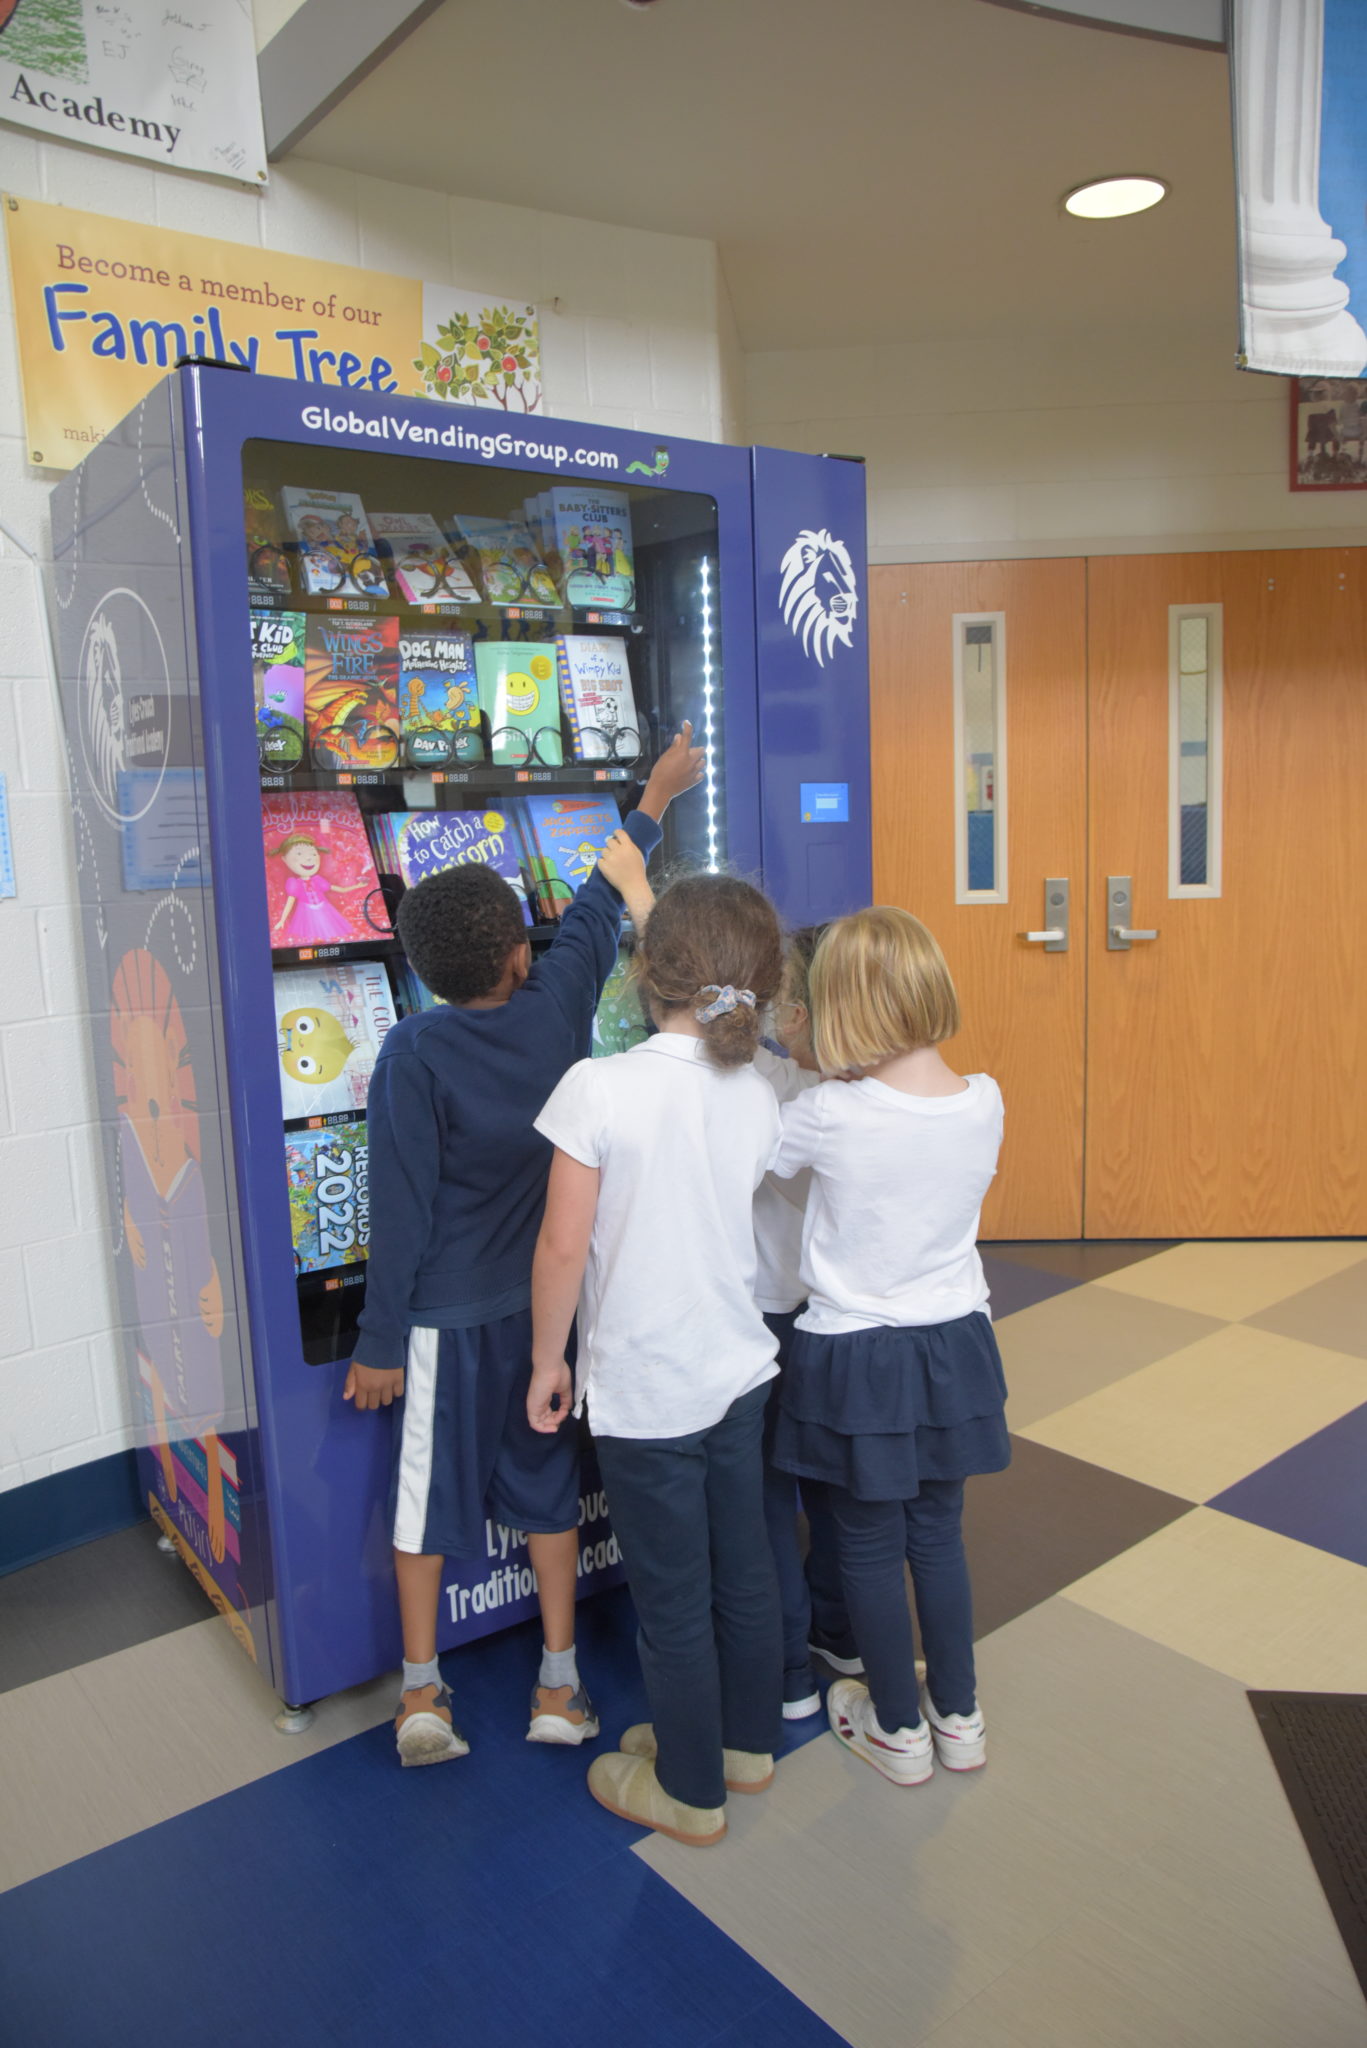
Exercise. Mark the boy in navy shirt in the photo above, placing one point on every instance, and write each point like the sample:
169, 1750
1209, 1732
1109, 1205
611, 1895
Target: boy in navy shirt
457, 1186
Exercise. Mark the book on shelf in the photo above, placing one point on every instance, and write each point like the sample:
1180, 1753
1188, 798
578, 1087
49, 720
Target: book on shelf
596, 697
422, 562
329, 1186
590, 546
619, 1021
351, 690
412, 991
517, 694
330, 1023
321, 884
268, 562
337, 553
439, 698
416, 844
510, 569
278, 680
564, 836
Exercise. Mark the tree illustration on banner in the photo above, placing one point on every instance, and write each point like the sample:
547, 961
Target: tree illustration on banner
479, 354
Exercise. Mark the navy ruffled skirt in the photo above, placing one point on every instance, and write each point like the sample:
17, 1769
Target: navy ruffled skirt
876, 1412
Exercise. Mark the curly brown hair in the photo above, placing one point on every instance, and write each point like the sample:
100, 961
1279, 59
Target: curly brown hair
713, 931
458, 928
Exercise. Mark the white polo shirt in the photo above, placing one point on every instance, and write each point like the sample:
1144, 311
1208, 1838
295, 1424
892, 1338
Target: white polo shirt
781, 1204
890, 1236
669, 1333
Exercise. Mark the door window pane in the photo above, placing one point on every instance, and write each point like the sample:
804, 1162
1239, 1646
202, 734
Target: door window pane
980, 758
1194, 740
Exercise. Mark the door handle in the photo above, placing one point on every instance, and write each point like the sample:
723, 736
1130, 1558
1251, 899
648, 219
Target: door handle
1120, 934
1054, 937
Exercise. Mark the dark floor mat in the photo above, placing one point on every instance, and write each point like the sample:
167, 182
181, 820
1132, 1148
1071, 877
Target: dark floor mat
1318, 1742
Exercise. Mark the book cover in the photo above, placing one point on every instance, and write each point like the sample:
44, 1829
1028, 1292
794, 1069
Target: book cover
592, 539
330, 1024
565, 835
596, 696
278, 679
618, 1022
337, 556
426, 842
439, 698
329, 1186
268, 562
510, 568
351, 690
420, 559
321, 884
517, 695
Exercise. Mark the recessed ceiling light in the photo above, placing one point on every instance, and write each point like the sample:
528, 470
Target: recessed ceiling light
1107, 198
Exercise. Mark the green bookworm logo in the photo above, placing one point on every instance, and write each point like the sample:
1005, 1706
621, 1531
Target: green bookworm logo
657, 468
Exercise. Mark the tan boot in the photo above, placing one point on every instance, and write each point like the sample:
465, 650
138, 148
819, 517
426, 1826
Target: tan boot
746, 1770
628, 1787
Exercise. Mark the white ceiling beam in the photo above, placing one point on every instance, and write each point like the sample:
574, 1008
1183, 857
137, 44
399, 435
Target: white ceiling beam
321, 54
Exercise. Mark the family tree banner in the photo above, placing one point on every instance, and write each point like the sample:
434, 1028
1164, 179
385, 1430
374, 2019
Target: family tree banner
176, 85
1299, 71
104, 308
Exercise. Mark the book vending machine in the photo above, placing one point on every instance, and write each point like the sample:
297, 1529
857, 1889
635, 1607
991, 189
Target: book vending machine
314, 645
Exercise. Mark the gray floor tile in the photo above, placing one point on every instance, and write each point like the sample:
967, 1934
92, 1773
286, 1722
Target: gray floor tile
1047, 1520
90, 1602
1073, 1345
1081, 1259
1014, 1286
1333, 1312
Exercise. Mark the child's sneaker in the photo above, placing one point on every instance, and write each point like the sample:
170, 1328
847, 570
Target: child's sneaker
960, 1739
628, 1786
560, 1714
907, 1756
424, 1730
800, 1696
746, 1770
840, 1652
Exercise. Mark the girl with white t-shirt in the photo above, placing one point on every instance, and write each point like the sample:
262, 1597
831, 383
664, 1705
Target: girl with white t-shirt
658, 1152
894, 1392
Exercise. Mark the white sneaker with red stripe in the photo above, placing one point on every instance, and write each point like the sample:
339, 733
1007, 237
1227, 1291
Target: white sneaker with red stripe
907, 1756
960, 1739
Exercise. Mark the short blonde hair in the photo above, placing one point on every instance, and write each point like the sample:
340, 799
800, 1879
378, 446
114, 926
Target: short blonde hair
880, 986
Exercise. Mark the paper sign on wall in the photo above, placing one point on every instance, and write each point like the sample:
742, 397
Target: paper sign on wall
104, 307
176, 85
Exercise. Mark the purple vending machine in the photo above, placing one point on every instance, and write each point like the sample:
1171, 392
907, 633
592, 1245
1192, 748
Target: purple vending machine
310, 651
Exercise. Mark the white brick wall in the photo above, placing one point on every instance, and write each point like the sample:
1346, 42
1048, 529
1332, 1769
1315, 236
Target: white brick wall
630, 337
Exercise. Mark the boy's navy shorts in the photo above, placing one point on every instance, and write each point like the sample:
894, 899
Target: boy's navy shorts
464, 1450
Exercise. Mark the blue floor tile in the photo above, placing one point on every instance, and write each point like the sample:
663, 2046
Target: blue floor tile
488, 1901
1314, 1493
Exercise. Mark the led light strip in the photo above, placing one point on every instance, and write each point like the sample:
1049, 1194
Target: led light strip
709, 729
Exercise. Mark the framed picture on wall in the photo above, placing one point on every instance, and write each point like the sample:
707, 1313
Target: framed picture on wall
1328, 433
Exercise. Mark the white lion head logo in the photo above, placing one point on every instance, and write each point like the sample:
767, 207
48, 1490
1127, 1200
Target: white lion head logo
818, 594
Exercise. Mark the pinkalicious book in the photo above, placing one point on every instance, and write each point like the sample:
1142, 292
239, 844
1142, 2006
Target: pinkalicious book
564, 836
351, 691
321, 884
517, 694
596, 695
510, 569
330, 1024
278, 678
337, 554
439, 699
329, 1196
592, 546
421, 560
426, 842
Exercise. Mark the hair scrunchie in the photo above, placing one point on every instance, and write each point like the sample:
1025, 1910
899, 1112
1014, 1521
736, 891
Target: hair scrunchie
724, 999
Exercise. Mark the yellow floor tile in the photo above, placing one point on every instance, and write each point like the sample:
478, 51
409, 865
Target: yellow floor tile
1194, 1423
1233, 1280
1073, 1344
1272, 1613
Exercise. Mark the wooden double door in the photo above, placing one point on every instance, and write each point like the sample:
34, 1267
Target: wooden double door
1194, 727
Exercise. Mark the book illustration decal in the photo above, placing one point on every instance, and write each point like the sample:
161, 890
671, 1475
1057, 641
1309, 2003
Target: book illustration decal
321, 885
439, 699
517, 694
177, 1287
351, 691
330, 1024
421, 560
337, 554
329, 1191
278, 680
